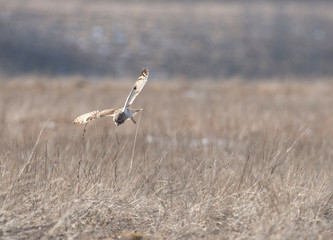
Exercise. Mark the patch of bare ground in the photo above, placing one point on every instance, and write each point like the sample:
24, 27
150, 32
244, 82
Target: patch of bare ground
231, 160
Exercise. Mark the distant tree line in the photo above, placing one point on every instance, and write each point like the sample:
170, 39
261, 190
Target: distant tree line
187, 46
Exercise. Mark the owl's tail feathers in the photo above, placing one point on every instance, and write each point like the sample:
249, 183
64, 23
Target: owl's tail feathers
135, 111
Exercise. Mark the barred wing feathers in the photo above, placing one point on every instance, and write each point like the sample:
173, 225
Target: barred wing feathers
87, 117
138, 86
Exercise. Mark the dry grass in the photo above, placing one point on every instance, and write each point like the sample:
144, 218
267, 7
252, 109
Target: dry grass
228, 160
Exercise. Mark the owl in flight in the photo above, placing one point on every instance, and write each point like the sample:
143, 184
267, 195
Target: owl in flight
119, 115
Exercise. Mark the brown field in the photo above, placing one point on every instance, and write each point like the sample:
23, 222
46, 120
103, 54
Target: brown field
230, 160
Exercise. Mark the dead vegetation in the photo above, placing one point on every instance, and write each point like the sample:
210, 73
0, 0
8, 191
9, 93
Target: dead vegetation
230, 160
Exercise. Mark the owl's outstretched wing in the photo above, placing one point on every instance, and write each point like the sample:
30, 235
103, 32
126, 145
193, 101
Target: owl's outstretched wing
87, 117
138, 86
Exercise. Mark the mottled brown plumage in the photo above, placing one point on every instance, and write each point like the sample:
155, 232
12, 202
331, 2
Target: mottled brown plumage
119, 115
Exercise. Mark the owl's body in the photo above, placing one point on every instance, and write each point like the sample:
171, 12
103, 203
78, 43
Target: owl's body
119, 115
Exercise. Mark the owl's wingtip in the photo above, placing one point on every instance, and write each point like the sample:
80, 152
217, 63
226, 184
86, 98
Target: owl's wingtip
77, 120
145, 72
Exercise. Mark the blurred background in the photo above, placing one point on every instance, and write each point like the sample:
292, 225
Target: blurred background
187, 39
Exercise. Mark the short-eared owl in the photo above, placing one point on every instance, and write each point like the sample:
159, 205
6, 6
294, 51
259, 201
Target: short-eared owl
119, 115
